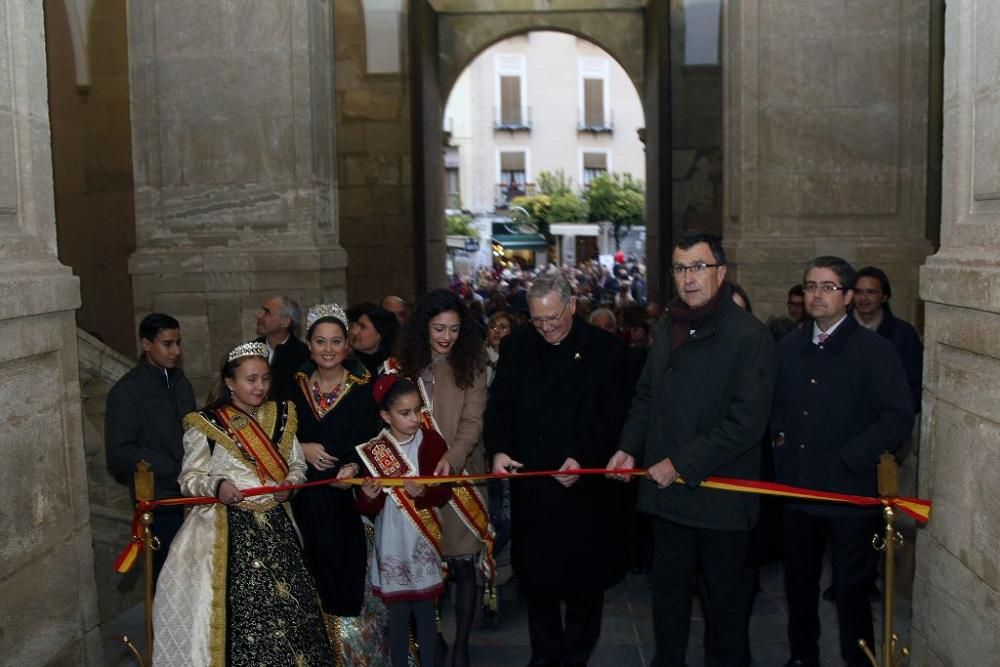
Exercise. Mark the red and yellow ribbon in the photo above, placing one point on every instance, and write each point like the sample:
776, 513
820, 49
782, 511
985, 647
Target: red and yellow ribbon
916, 508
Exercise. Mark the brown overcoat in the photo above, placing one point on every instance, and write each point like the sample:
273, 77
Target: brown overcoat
459, 415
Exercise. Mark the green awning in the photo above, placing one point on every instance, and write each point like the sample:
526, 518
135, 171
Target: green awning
521, 241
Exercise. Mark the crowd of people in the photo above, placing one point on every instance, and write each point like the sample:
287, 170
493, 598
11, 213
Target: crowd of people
556, 370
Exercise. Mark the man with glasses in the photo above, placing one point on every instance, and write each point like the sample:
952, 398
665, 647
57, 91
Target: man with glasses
557, 402
701, 408
841, 401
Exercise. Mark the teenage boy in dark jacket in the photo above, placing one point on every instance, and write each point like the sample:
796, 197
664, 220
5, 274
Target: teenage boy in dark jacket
143, 421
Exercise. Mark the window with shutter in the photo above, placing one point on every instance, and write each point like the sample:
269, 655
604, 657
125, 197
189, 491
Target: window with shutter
510, 100
593, 103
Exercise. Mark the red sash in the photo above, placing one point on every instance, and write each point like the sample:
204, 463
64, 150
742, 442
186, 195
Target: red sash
467, 503
383, 458
254, 443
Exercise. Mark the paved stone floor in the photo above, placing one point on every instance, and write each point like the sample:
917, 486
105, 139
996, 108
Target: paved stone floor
626, 634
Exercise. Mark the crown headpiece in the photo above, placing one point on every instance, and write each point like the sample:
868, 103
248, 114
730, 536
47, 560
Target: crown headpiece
248, 350
321, 310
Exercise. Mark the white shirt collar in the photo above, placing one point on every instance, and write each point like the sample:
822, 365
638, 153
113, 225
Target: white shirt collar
270, 350
829, 332
874, 324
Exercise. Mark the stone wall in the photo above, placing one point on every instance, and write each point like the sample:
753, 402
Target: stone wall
956, 605
110, 504
696, 128
92, 161
373, 158
48, 604
235, 165
826, 141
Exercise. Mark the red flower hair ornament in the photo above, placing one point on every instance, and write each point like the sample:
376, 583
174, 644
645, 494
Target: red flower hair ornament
383, 385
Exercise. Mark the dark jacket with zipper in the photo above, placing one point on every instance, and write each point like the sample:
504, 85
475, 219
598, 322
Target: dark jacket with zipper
143, 421
705, 406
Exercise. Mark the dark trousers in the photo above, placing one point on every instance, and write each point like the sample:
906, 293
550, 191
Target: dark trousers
570, 638
678, 553
850, 539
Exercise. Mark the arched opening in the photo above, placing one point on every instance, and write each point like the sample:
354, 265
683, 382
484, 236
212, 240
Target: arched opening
443, 42
681, 102
88, 85
531, 123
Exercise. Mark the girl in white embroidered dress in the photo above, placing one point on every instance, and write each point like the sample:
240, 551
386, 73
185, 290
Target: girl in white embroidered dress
406, 569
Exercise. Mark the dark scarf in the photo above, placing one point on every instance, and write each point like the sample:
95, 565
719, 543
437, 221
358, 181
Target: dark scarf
683, 318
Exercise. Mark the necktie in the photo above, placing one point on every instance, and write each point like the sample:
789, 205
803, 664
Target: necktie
822, 337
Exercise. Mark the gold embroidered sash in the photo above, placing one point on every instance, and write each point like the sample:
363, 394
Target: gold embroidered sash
254, 443
302, 380
466, 500
384, 458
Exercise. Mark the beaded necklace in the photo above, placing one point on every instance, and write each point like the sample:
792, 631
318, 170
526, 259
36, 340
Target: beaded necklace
325, 400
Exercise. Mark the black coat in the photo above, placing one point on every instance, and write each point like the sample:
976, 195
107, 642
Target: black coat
333, 537
548, 403
839, 406
287, 360
705, 406
906, 340
143, 421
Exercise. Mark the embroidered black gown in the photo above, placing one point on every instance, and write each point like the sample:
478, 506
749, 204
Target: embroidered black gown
332, 533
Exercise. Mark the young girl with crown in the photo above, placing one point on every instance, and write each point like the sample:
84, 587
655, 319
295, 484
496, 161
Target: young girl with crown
234, 589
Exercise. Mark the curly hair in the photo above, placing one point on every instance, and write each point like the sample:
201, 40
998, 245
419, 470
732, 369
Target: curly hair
413, 347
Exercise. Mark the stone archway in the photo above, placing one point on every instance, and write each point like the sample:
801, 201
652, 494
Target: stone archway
446, 36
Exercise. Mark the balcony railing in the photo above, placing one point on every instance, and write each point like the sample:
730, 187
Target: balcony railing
607, 126
522, 124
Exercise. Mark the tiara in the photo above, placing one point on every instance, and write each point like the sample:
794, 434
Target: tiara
248, 350
321, 310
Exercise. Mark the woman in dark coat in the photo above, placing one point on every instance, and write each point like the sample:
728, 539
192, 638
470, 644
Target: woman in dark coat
333, 399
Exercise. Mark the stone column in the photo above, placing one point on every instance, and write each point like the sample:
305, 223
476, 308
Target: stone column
956, 604
48, 601
825, 141
234, 154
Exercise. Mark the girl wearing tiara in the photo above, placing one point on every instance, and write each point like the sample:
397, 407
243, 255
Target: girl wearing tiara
234, 589
406, 570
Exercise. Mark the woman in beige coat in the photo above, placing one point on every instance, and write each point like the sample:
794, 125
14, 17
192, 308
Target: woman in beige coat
442, 349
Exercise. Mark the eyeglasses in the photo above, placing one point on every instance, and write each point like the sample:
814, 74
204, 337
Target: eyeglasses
696, 268
499, 327
827, 288
541, 322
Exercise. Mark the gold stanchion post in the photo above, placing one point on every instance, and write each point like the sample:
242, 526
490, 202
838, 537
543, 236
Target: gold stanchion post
893, 655
144, 492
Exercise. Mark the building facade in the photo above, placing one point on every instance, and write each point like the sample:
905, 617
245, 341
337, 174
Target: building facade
542, 101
